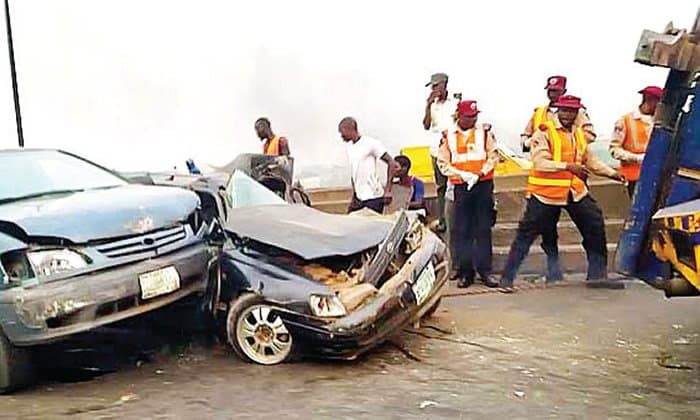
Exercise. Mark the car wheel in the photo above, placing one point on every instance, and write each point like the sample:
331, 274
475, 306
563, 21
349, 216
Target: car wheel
256, 332
16, 368
430, 312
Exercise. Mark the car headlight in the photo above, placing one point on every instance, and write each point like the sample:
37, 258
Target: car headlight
54, 261
326, 306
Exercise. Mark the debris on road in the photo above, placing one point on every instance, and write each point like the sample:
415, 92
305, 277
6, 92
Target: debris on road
427, 403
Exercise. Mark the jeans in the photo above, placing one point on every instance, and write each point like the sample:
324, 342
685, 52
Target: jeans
471, 229
441, 183
588, 219
550, 247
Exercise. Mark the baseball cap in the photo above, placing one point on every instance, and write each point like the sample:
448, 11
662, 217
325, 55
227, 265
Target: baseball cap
556, 82
437, 78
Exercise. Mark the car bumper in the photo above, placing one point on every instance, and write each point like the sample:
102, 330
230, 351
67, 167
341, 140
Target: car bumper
56, 310
370, 325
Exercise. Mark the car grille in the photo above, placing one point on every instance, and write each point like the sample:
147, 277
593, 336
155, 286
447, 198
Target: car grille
148, 242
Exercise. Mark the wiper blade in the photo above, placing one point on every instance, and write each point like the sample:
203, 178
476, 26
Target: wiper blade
37, 195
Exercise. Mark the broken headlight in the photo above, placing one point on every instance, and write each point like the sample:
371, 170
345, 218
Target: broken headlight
54, 261
326, 306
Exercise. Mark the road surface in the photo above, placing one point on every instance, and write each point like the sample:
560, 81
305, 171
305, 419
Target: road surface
564, 352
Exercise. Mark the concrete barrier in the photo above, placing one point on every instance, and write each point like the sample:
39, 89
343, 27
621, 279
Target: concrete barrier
510, 198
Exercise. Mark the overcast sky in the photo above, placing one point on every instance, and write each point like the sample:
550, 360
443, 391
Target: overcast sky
144, 84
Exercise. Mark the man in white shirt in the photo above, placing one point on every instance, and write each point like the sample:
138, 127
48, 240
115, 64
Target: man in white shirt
439, 116
364, 153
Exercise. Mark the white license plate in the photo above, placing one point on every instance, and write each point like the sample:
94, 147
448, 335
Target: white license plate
424, 283
159, 282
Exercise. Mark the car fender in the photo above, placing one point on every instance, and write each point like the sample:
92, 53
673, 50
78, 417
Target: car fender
241, 272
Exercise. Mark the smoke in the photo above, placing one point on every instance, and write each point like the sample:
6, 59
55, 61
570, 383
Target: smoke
147, 84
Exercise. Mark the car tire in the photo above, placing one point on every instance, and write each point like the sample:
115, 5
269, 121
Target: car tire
256, 332
16, 367
430, 312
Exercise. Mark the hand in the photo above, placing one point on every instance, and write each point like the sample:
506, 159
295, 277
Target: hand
619, 177
433, 95
639, 158
469, 178
579, 171
387, 197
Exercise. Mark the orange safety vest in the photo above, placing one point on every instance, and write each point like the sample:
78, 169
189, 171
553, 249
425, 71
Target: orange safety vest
636, 140
272, 147
468, 151
556, 185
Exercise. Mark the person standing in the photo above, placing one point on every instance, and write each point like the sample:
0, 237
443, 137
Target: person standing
439, 116
631, 136
273, 145
468, 156
561, 164
555, 88
364, 153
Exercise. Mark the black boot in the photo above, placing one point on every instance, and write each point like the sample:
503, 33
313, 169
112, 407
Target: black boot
489, 281
464, 282
605, 284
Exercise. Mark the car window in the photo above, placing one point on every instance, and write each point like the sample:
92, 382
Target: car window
39, 172
244, 191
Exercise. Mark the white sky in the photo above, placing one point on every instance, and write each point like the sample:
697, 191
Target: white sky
144, 84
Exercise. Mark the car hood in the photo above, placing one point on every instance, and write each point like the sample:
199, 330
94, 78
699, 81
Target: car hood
99, 214
307, 232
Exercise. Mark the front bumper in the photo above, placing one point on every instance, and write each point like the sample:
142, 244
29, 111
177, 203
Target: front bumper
91, 300
370, 325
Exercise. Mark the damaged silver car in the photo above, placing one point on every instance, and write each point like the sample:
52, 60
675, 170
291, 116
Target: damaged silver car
80, 247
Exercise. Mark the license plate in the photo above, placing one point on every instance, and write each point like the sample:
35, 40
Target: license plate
159, 282
424, 283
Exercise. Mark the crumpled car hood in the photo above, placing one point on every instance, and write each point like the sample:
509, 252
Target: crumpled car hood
307, 232
100, 214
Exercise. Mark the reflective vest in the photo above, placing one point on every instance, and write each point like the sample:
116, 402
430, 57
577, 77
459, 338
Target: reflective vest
636, 140
556, 185
272, 147
468, 151
540, 117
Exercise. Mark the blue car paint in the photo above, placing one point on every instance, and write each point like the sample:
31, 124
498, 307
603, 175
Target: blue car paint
99, 214
659, 184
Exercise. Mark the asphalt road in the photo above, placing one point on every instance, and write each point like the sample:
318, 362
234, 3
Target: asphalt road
562, 353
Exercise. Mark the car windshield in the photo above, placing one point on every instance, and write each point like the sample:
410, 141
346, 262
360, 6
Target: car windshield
46, 172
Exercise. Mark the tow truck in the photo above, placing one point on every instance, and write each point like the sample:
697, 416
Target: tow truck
660, 243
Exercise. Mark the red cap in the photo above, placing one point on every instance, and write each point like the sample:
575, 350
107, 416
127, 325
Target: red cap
556, 83
569, 101
653, 91
467, 108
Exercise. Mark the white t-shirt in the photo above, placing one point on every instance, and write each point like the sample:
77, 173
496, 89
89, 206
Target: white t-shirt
364, 157
441, 119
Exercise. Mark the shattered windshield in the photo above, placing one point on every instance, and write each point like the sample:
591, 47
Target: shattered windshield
244, 191
49, 172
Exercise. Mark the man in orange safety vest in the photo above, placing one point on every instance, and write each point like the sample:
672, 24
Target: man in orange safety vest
631, 136
561, 164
